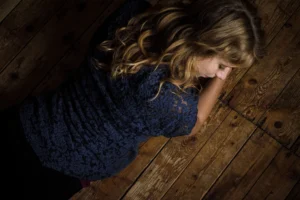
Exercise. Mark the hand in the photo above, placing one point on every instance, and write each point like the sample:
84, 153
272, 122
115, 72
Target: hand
224, 73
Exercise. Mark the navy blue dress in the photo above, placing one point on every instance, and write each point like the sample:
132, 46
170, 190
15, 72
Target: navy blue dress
90, 128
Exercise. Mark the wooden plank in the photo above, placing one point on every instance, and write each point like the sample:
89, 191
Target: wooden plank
6, 6
22, 24
278, 179
295, 193
46, 49
173, 159
246, 168
114, 187
210, 161
68, 65
274, 16
257, 90
282, 119
296, 146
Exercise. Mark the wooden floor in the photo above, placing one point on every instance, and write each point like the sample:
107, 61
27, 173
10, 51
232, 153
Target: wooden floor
249, 148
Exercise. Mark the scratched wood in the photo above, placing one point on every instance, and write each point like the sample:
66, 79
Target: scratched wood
278, 179
6, 6
114, 187
263, 83
22, 24
46, 49
172, 161
36, 50
211, 160
274, 15
282, 119
246, 168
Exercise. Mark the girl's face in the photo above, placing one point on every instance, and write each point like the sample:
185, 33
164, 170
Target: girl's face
213, 67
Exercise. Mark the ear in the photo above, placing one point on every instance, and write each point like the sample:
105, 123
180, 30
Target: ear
221, 74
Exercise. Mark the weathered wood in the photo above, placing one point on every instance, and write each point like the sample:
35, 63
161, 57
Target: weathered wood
210, 161
274, 15
278, 179
282, 119
262, 84
6, 6
295, 193
46, 49
246, 168
296, 146
115, 187
173, 159
74, 57
22, 24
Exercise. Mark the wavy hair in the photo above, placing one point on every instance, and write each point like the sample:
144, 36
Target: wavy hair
177, 35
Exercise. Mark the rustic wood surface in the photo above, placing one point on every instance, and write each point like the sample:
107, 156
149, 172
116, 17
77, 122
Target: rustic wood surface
248, 147
6, 6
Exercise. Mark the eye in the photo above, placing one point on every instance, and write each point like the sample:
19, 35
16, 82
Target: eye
221, 67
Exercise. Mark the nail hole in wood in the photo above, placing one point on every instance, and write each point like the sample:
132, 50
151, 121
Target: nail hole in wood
252, 81
278, 124
29, 28
14, 75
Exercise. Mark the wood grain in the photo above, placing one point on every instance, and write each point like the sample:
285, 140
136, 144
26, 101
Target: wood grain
68, 65
116, 186
263, 83
46, 49
173, 159
294, 193
6, 6
297, 147
212, 159
278, 179
282, 119
246, 168
274, 15
22, 24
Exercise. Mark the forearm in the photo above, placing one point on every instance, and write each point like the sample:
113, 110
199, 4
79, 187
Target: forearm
208, 98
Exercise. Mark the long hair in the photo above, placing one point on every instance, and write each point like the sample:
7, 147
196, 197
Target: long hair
177, 35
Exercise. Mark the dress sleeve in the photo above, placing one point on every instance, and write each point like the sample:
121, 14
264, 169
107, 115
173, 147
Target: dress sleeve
170, 114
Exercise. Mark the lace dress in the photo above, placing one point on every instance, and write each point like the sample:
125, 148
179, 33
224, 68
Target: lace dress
90, 128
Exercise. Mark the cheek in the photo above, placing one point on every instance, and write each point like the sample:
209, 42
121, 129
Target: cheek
213, 69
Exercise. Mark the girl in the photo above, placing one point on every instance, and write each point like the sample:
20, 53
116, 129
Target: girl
141, 79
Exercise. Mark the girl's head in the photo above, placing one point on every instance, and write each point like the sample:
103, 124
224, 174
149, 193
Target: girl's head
186, 38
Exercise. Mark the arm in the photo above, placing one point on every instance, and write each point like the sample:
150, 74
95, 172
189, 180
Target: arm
207, 100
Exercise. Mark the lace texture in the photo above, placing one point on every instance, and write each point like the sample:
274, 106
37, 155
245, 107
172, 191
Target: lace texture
91, 128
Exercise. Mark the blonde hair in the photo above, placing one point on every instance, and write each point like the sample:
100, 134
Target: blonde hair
177, 35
